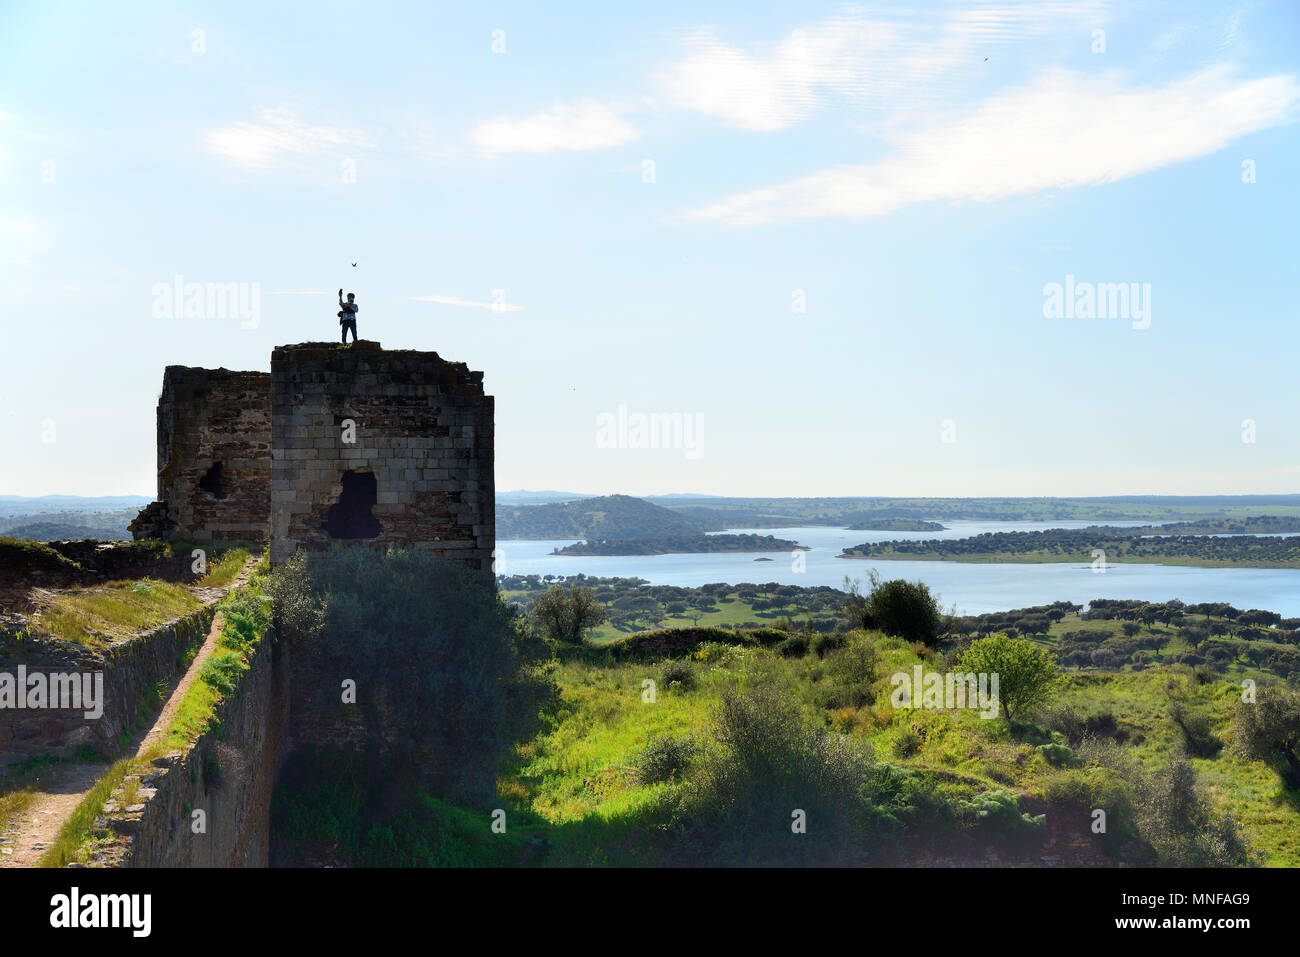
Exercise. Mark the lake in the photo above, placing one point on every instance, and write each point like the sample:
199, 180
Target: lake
974, 588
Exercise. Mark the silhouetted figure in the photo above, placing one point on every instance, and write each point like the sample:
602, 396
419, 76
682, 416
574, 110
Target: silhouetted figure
348, 315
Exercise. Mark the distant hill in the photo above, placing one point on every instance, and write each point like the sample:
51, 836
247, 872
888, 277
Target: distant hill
681, 544
13, 506
593, 519
50, 526
529, 497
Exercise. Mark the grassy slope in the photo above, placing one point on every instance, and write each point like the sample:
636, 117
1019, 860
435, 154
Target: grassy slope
576, 777
730, 611
239, 640
115, 610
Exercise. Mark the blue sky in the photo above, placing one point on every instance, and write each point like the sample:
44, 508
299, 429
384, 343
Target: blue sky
610, 209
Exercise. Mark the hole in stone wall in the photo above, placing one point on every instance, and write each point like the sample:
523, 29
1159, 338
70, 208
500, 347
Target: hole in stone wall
212, 481
350, 516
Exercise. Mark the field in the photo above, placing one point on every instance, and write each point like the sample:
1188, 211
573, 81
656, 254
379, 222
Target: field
579, 775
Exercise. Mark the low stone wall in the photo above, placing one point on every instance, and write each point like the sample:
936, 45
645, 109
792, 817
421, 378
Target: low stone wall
109, 561
131, 671
228, 774
26, 566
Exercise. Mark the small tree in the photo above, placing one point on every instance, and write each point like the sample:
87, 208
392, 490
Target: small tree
1269, 729
899, 608
565, 615
1028, 675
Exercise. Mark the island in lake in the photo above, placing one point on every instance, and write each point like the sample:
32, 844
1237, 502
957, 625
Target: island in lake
1097, 543
896, 525
675, 544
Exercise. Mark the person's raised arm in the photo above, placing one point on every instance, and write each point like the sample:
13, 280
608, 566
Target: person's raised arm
340, 297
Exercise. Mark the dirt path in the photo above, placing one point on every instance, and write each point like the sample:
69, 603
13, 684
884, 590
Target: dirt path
61, 788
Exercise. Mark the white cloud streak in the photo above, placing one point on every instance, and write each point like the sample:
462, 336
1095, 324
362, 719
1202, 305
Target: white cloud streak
1064, 130
454, 301
585, 125
279, 138
889, 62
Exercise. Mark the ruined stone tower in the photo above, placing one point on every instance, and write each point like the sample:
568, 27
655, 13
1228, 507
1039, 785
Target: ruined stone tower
352, 445
383, 447
214, 457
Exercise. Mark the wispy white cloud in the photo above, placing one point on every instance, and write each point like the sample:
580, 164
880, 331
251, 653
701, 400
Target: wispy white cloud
885, 61
279, 138
1062, 131
585, 125
299, 292
501, 306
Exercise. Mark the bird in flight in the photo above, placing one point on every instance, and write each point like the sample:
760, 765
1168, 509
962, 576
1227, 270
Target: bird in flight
354, 265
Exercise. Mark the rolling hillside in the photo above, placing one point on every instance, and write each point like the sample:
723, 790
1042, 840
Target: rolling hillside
608, 517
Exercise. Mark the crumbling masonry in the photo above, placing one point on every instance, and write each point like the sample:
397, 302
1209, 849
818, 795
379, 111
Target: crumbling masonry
351, 445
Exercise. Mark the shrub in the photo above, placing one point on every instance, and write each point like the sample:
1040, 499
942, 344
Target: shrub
1079, 793
771, 759
665, 758
1194, 725
1028, 675
906, 743
566, 615
1268, 729
680, 672
997, 814
1175, 817
1077, 726
900, 609
857, 663
1058, 755
824, 644
710, 651
796, 646
1171, 813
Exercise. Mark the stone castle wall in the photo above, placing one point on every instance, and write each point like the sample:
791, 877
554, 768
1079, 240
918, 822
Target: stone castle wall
130, 670
228, 773
380, 447
214, 457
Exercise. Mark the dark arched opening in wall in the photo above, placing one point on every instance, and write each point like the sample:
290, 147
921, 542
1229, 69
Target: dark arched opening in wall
351, 516
212, 481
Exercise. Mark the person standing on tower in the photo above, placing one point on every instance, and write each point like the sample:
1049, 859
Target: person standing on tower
348, 315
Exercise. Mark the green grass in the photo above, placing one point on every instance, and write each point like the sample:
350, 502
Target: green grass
105, 613
1269, 812
247, 622
730, 611
224, 568
577, 776
14, 802
321, 810
74, 839
97, 616
574, 787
